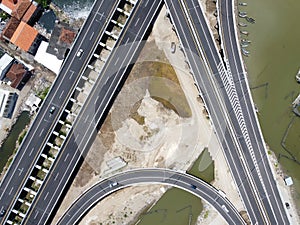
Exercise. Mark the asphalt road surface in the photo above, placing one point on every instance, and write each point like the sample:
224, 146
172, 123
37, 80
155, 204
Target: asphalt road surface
197, 41
43, 125
150, 176
269, 194
84, 130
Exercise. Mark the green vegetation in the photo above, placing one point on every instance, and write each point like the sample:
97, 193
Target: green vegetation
3, 16
43, 94
41, 175
135, 115
164, 86
52, 153
24, 208
68, 122
206, 214
63, 133
29, 198
47, 164
203, 167
21, 137
17, 220
44, 3
175, 207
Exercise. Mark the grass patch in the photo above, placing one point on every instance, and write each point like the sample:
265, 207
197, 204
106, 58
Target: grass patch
174, 207
42, 94
135, 115
24, 208
206, 214
21, 137
203, 167
164, 86
41, 175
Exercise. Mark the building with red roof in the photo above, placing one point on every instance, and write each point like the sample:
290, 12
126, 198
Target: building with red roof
17, 76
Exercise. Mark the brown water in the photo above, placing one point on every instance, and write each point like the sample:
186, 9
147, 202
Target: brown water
9, 144
272, 65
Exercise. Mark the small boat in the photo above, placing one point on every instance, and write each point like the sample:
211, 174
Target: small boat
242, 14
243, 3
244, 32
244, 45
298, 76
250, 20
245, 41
242, 24
256, 109
245, 52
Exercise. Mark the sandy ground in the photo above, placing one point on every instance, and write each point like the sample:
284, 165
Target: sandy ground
167, 141
285, 191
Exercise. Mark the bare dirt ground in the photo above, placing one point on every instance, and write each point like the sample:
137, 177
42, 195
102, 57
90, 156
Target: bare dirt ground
285, 191
210, 8
149, 133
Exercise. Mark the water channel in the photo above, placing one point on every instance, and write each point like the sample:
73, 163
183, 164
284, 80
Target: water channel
9, 144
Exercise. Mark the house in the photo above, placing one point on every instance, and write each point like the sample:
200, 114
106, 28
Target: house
8, 5
24, 36
18, 30
10, 28
288, 181
33, 13
5, 63
33, 102
8, 101
48, 60
17, 76
61, 40
21, 8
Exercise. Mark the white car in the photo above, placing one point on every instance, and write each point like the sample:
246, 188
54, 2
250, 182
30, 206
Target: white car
79, 53
225, 208
113, 184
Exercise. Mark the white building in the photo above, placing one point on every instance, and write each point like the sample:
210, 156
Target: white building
5, 63
8, 101
48, 60
33, 102
288, 181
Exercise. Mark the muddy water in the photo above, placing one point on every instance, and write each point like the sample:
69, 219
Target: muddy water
9, 144
272, 65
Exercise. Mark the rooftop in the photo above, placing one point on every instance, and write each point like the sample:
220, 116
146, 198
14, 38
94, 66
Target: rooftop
61, 39
29, 13
9, 4
66, 36
48, 60
24, 36
21, 9
7, 103
5, 60
10, 28
16, 74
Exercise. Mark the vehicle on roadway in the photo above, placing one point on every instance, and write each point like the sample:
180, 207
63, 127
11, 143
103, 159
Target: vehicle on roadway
2, 213
225, 208
113, 184
79, 53
52, 109
193, 186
